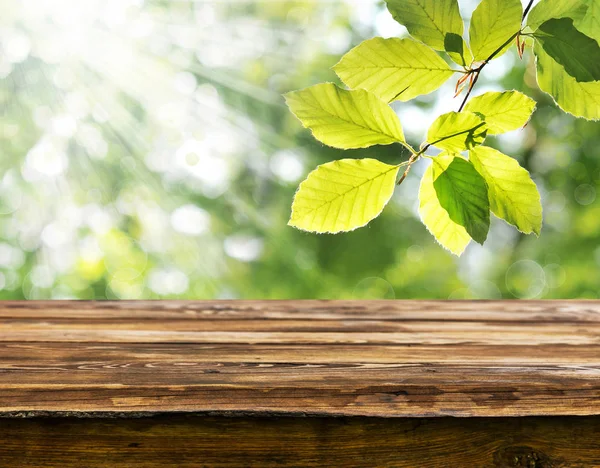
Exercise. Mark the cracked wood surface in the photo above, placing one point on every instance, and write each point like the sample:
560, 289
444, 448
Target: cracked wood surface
328, 358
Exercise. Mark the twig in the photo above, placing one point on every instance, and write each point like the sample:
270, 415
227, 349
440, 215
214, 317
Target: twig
477, 71
527, 10
474, 77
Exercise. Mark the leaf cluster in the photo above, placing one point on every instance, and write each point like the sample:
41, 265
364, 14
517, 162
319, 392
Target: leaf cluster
466, 181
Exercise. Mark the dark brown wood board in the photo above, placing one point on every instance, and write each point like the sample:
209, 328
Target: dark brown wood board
186, 441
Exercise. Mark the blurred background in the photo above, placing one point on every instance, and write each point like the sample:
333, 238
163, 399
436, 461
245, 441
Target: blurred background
145, 152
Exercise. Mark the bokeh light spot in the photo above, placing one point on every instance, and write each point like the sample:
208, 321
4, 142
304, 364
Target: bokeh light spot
555, 275
585, 194
374, 288
243, 248
190, 220
525, 279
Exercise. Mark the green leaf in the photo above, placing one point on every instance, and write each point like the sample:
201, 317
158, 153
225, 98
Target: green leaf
513, 195
577, 53
578, 99
589, 23
345, 119
437, 23
453, 202
548, 9
502, 111
343, 195
393, 68
458, 50
457, 131
493, 25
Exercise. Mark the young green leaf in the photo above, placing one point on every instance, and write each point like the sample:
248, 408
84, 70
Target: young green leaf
584, 13
576, 52
578, 99
548, 9
393, 69
437, 23
457, 131
448, 233
589, 23
343, 195
453, 202
493, 24
503, 111
512, 194
345, 119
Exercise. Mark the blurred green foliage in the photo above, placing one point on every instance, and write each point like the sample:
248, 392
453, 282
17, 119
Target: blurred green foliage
145, 152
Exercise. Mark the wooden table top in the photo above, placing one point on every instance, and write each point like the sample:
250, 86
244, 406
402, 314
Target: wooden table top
368, 358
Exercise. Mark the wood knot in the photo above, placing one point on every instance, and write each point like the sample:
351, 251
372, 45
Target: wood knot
522, 457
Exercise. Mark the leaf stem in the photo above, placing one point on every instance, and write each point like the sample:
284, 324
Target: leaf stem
409, 164
413, 159
408, 147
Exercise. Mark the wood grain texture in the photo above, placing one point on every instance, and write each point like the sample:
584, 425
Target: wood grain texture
220, 442
339, 358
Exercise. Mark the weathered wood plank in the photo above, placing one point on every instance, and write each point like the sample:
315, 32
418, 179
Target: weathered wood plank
213, 442
463, 311
147, 354
369, 358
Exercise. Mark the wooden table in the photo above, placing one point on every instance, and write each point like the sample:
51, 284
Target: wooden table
302, 384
